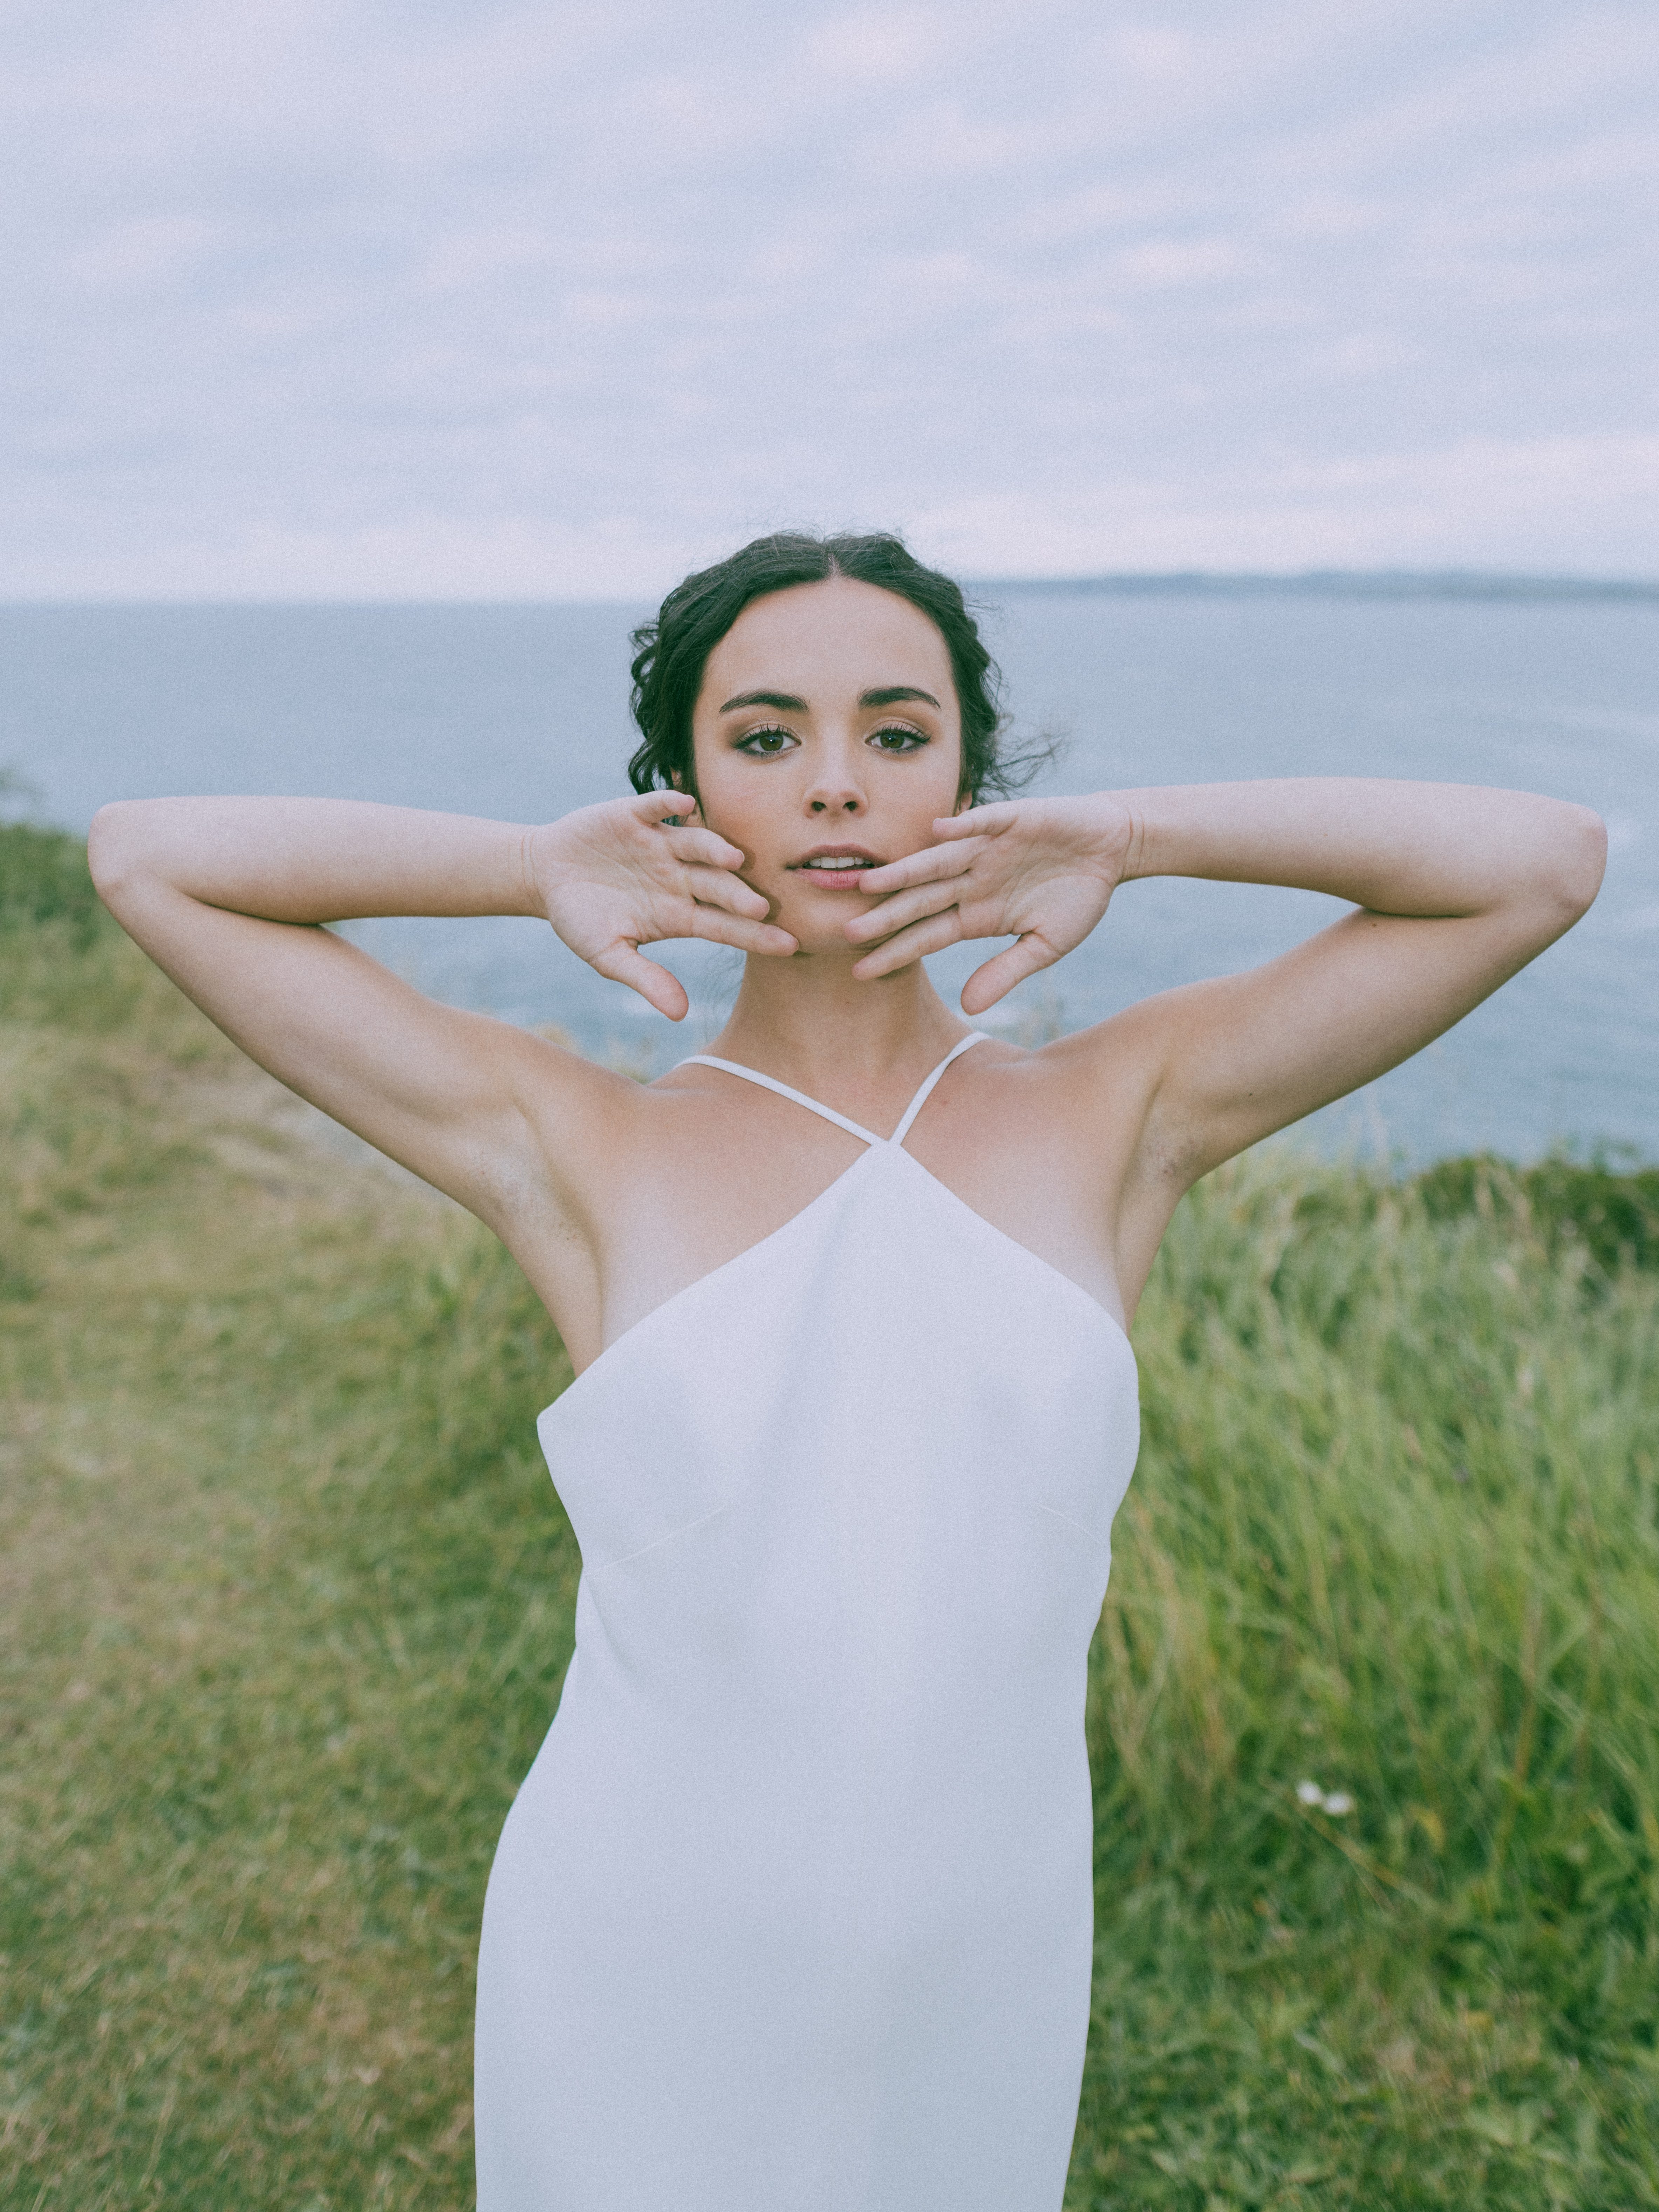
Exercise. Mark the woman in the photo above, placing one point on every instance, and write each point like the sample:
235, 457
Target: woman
795, 1908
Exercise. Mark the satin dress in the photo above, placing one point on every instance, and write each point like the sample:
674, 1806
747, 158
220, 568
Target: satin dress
794, 1910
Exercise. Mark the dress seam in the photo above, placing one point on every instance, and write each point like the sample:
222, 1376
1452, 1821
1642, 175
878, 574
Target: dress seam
1065, 1517
657, 1542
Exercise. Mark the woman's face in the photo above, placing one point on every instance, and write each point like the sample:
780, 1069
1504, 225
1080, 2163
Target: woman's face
827, 728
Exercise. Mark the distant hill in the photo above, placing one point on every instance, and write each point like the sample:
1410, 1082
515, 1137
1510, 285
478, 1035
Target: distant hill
1337, 584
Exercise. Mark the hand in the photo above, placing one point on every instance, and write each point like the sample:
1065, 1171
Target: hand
612, 877
1043, 870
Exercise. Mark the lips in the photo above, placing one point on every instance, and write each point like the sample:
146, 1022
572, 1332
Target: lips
834, 866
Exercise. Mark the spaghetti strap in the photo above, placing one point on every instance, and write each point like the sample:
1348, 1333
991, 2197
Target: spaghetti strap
771, 1082
973, 1037
828, 1113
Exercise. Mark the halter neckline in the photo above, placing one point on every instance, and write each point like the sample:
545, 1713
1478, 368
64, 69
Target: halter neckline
828, 1113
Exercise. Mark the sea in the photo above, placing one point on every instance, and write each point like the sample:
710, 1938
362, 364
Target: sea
521, 712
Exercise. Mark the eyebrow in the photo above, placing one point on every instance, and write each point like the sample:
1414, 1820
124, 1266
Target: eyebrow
891, 694
785, 701
886, 695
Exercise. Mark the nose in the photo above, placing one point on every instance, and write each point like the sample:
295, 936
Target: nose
835, 787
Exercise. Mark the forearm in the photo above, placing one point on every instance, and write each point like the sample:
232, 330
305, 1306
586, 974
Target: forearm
1395, 848
309, 859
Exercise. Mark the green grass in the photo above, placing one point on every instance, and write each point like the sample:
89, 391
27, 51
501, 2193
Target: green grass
285, 1599
1393, 1532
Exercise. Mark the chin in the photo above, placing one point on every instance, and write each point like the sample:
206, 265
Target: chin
816, 936
814, 943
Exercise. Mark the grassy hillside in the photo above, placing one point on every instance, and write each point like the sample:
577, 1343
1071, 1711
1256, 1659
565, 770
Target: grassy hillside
285, 1598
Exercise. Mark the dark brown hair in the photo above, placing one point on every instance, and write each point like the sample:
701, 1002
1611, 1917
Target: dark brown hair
671, 653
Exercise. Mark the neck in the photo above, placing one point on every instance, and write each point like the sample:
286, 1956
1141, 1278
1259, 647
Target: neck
807, 1019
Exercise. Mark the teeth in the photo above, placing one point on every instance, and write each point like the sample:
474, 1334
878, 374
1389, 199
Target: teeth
849, 862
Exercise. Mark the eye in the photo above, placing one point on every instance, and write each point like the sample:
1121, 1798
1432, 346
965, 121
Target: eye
766, 744
896, 739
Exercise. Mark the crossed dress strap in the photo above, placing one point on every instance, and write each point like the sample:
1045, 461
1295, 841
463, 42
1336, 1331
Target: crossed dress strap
828, 1113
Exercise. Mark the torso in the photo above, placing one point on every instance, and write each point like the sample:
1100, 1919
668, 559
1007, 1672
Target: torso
679, 1176
800, 1884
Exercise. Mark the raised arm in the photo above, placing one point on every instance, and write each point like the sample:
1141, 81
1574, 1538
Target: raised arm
225, 893
1454, 888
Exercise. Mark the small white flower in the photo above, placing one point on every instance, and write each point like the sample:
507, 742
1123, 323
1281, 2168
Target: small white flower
1310, 1793
1337, 1802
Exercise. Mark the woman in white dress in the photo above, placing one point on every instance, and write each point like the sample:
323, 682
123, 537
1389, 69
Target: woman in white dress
795, 1908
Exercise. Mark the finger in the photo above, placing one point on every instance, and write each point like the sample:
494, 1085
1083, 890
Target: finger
978, 821
903, 908
910, 945
622, 963
720, 887
706, 847
656, 807
931, 864
999, 973
709, 922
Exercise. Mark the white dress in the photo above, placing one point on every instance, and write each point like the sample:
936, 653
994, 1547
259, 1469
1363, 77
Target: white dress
794, 1910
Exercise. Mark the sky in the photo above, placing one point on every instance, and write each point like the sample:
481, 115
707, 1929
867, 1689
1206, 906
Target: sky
429, 300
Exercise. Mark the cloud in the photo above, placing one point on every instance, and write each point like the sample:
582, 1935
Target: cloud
499, 300
1376, 511
1161, 264
872, 47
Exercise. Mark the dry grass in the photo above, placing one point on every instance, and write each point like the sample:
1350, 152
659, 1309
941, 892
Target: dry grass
281, 1626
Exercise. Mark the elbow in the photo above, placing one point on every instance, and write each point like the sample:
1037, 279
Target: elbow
1556, 885
1579, 862
113, 849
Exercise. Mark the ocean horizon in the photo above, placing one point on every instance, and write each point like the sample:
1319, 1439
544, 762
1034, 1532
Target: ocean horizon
518, 708
1245, 583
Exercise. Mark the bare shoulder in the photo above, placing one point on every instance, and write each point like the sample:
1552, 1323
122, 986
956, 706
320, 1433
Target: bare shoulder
1126, 1070
1103, 1173
583, 1120
1083, 1097
1095, 1088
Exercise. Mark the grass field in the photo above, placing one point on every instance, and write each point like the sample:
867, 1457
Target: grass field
285, 1599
